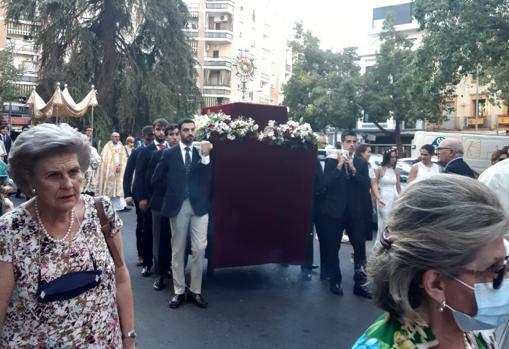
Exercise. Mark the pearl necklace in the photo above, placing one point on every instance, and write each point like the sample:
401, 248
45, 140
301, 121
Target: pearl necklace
43, 228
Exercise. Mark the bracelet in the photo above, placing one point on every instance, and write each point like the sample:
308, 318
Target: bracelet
130, 334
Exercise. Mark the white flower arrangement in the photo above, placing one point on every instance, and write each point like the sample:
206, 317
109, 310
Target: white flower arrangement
219, 126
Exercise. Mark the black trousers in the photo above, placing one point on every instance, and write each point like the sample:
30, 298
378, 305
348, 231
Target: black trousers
332, 231
146, 238
139, 229
161, 235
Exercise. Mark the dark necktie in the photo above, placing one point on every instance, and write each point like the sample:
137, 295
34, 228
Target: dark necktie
187, 164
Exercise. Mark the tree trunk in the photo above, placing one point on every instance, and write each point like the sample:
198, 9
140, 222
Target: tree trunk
106, 76
397, 137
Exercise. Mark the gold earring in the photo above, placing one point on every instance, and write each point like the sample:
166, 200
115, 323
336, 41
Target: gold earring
442, 306
34, 191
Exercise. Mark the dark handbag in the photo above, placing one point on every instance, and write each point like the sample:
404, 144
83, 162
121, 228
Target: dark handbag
73, 284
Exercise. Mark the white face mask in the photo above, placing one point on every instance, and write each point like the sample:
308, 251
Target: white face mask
492, 307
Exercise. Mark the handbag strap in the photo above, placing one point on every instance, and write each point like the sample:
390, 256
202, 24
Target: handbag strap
106, 229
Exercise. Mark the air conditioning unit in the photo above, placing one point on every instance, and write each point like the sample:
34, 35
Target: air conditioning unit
222, 18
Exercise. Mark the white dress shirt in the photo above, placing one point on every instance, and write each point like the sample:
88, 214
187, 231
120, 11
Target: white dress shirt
205, 160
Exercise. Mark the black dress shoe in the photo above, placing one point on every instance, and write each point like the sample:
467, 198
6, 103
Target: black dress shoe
146, 272
177, 300
314, 266
197, 299
336, 288
159, 285
361, 291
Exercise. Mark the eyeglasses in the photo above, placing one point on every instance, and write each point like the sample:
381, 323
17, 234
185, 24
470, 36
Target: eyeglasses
500, 272
443, 148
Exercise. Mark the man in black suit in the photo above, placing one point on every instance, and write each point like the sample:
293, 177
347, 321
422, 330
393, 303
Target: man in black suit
450, 154
142, 191
147, 135
342, 209
186, 177
4, 137
161, 234
89, 132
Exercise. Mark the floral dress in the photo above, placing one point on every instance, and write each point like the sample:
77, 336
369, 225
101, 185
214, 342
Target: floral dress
89, 320
388, 333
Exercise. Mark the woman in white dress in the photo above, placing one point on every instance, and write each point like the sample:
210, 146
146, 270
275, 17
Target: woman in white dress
387, 189
425, 167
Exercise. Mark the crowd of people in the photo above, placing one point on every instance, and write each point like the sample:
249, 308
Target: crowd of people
61, 257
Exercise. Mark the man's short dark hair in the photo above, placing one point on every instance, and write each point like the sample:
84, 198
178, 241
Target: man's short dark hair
346, 134
147, 130
170, 128
4, 126
161, 122
184, 121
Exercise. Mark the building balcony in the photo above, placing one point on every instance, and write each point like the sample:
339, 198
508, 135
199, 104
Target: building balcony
26, 30
218, 63
191, 33
216, 90
219, 36
220, 6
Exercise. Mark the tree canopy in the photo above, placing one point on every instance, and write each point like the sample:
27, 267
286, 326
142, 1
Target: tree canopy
323, 89
133, 51
8, 75
459, 35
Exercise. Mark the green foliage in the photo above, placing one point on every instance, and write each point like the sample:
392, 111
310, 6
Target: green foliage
387, 88
8, 74
133, 51
461, 34
323, 89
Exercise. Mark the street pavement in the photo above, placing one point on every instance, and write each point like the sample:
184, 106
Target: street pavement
268, 306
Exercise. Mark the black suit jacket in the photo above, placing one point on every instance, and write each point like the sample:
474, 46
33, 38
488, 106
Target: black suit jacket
129, 172
140, 189
156, 196
459, 166
170, 176
7, 143
343, 192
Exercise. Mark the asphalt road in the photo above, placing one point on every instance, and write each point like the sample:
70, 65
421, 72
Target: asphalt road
268, 306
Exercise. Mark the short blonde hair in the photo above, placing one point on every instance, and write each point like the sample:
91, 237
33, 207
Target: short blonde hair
438, 223
38, 143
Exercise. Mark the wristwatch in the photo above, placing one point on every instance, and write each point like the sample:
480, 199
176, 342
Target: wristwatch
130, 334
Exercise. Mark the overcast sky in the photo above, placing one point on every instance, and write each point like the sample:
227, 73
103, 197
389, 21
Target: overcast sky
337, 23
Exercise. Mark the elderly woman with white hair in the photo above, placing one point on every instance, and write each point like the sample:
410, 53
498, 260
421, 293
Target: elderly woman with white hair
441, 274
62, 276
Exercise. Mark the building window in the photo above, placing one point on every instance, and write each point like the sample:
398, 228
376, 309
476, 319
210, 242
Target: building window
402, 14
215, 54
254, 16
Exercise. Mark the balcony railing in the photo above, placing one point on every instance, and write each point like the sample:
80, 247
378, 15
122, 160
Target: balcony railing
223, 6
225, 62
219, 35
21, 29
192, 33
214, 91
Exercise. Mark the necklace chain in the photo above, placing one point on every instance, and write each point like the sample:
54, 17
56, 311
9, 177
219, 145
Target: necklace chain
43, 228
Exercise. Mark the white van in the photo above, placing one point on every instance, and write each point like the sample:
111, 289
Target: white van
477, 148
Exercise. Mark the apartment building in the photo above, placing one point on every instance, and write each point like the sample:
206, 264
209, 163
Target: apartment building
240, 53
468, 94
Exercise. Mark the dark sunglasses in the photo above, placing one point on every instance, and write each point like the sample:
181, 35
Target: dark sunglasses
500, 272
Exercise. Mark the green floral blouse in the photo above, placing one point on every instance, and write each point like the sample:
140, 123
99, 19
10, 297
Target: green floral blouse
388, 333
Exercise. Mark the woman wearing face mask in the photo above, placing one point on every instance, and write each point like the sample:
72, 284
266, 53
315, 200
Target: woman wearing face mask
63, 282
425, 167
441, 272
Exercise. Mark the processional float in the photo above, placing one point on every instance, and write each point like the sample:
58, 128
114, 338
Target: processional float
61, 104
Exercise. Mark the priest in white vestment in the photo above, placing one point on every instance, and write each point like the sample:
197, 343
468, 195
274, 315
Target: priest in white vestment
111, 174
